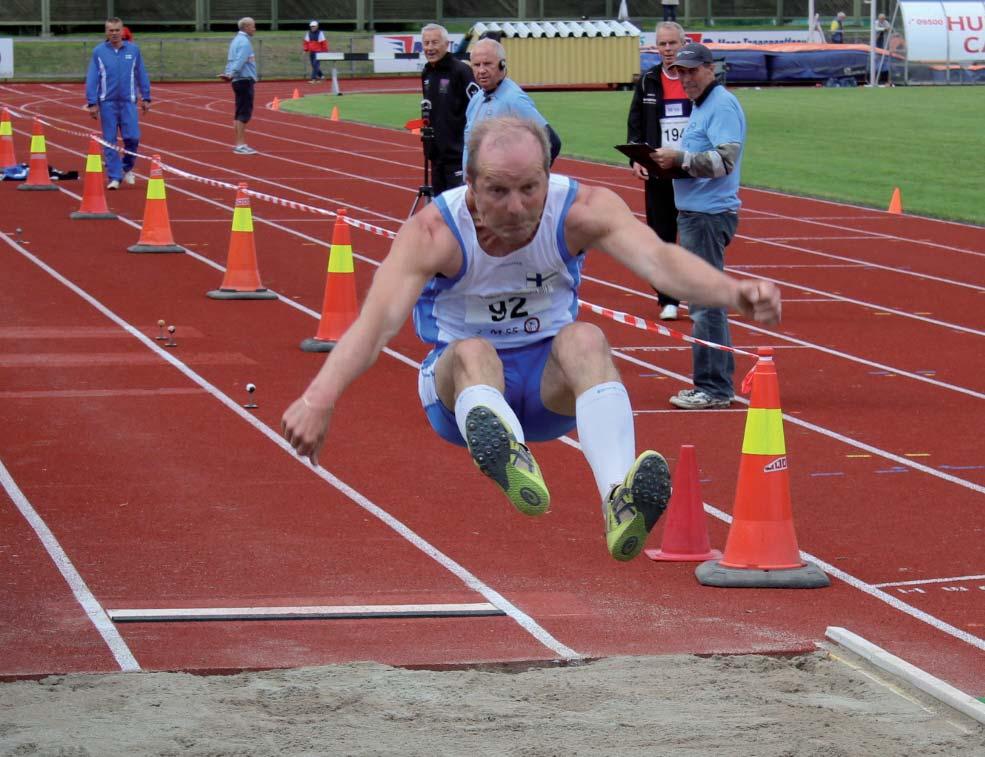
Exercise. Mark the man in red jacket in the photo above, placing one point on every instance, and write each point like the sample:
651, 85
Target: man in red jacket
314, 43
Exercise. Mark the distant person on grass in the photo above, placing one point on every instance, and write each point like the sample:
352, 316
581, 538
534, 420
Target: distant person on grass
115, 79
838, 28
491, 272
707, 196
657, 117
241, 72
314, 43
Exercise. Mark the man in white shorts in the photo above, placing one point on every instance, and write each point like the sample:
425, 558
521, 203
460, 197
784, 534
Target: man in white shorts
491, 272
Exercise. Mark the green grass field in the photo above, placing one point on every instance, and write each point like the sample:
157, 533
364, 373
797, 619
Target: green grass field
852, 144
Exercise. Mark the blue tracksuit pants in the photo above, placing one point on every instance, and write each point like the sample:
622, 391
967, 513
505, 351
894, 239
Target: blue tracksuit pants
119, 117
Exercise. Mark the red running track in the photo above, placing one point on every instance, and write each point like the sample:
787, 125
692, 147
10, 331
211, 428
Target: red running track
133, 478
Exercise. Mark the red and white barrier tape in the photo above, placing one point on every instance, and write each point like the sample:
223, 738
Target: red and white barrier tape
615, 315
645, 325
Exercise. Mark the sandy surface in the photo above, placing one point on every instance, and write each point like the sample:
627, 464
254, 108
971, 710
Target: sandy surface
673, 705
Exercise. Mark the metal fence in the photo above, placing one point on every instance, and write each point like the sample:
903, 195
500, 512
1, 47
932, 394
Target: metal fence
46, 17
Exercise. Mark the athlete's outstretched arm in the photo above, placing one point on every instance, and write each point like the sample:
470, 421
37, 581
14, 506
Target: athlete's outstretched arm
423, 248
599, 218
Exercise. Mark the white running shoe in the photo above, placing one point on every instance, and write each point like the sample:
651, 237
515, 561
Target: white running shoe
244, 150
669, 313
695, 399
113, 184
129, 178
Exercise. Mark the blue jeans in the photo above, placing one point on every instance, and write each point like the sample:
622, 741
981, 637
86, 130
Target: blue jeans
707, 235
315, 66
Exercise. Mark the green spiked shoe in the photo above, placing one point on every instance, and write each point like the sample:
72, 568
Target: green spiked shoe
634, 506
500, 456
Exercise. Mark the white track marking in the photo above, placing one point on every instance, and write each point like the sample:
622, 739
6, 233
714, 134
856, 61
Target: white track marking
953, 579
471, 581
93, 610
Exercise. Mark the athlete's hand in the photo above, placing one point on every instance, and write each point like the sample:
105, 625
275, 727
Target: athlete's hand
640, 172
759, 300
93, 111
305, 426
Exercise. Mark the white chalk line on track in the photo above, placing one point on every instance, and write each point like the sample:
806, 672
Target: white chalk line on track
470, 580
602, 182
922, 582
80, 590
741, 324
812, 345
889, 599
908, 374
903, 461
778, 216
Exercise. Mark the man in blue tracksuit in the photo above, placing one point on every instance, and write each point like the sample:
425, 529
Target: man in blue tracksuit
116, 75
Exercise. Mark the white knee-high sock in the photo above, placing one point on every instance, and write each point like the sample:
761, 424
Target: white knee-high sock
606, 433
483, 394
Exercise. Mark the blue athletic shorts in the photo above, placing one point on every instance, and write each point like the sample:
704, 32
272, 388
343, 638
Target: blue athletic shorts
522, 369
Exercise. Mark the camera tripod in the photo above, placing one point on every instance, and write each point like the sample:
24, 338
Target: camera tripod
425, 193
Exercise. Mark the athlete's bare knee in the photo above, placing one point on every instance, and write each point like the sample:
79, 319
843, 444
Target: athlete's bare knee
474, 361
583, 354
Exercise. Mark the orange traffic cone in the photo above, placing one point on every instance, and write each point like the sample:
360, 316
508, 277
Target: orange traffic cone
335, 113
7, 157
761, 550
242, 279
276, 104
896, 203
339, 308
155, 231
296, 95
93, 197
685, 536
37, 171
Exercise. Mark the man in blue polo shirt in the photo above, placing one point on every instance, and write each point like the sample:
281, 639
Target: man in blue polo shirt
706, 190
116, 74
498, 96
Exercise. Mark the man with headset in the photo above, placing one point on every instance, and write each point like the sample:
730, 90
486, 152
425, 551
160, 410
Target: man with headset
498, 95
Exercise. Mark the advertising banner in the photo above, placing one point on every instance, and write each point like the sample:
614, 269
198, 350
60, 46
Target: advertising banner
772, 37
390, 44
944, 32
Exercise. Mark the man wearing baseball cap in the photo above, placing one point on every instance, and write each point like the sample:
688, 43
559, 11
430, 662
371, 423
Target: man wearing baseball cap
706, 190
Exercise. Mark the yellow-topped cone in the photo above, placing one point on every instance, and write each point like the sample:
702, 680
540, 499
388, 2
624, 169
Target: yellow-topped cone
339, 308
242, 279
7, 156
93, 197
761, 550
37, 172
155, 231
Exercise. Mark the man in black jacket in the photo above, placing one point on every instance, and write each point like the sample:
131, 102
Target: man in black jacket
657, 117
445, 84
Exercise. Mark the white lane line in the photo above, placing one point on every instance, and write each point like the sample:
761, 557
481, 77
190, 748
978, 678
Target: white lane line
93, 610
596, 181
922, 582
900, 460
810, 345
839, 204
863, 263
471, 581
466, 577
